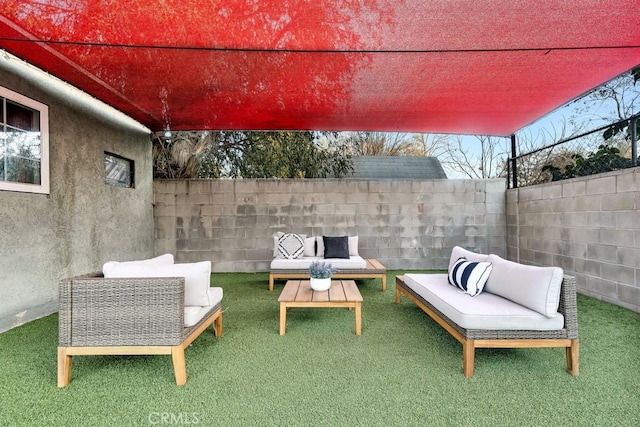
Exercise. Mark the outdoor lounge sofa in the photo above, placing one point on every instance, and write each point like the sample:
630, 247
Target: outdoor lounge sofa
293, 254
141, 315
520, 305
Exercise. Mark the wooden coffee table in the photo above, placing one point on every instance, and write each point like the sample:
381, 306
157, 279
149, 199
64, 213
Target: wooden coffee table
342, 293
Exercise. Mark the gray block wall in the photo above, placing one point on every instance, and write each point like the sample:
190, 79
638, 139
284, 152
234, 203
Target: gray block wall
589, 226
406, 224
83, 222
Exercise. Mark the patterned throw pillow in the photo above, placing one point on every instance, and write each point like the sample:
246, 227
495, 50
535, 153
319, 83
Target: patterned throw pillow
469, 276
290, 245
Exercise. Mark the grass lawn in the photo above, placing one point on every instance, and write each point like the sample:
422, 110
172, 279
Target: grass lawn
404, 370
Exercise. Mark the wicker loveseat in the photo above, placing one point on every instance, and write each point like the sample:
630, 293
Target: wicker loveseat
292, 260
515, 310
129, 316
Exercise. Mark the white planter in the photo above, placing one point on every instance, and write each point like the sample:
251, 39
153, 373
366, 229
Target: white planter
320, 284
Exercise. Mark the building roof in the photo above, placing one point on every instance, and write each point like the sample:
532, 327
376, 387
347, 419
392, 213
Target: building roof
397, 167
470, 67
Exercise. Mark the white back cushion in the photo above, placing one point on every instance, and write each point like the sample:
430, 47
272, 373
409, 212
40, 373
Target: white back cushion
537, 288
319, 246
459, 252
159, 260
353, 246
197, 277
309, 246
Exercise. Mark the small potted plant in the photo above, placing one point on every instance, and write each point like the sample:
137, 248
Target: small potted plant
320, 274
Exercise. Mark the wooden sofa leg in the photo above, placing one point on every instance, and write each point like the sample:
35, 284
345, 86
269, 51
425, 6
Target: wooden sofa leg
397, 295
217, 326
384, 282
179, 364
64, 367
468, 354
271, 282
573, 355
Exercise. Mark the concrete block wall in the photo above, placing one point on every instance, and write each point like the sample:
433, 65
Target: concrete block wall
589, 226
405, 224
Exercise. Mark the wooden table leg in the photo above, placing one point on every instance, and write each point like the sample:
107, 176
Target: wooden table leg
283, 317
358, 318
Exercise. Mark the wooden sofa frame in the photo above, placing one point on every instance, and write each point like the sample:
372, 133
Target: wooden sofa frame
479, 338
373, 270
126, 316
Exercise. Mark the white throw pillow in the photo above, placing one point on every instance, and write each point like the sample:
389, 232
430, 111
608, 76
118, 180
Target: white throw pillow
165, 259
537, 288
469, 276
197, 277
290, 245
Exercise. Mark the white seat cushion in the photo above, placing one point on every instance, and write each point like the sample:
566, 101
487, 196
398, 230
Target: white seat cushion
197, 277
537, 288
484, 311
353, 263
193, 314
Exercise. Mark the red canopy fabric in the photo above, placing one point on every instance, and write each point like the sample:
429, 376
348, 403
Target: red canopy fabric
459, 66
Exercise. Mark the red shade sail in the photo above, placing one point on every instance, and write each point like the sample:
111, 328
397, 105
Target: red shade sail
458, 66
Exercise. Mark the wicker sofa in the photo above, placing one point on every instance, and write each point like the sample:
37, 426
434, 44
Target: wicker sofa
130, 316
506, 314
293, 263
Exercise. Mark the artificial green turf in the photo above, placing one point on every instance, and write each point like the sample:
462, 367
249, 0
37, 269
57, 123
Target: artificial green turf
403, 370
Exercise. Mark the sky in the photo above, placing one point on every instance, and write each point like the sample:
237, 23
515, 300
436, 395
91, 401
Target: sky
588, 115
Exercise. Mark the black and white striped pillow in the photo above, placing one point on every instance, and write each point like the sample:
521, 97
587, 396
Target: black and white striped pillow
469, 276
290, 246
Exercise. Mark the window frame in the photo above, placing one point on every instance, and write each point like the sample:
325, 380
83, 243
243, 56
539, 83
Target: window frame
23, 187
131, 170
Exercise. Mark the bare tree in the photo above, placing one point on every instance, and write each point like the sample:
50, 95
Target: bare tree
432, 144
529, 140
460, 154
383, 144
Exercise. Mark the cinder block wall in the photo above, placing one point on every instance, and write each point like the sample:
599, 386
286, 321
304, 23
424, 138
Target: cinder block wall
589, 226
405, 224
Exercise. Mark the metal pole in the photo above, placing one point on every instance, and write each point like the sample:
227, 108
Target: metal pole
508, 173
634, 141
514, 170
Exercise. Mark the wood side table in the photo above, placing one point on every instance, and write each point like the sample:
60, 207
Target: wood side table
342, 293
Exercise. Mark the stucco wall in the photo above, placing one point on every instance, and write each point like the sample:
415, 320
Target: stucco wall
589, 226
405, 224
82, 222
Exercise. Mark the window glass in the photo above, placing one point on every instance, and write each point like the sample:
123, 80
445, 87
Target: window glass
118, 170
23, 145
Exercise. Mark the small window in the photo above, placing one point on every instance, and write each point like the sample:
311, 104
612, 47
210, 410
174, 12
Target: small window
24, 144
118, 171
